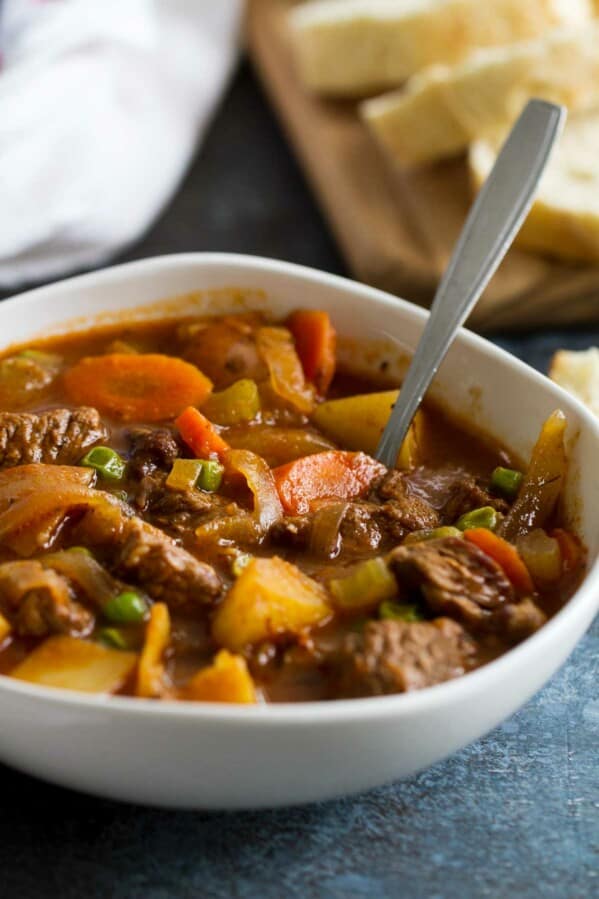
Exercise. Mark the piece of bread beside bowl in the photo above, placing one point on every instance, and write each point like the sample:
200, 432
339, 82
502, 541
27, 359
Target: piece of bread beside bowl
435, 79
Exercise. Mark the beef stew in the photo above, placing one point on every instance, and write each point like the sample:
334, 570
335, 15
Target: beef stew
191, 510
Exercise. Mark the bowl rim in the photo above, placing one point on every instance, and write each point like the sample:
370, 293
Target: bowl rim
341, 711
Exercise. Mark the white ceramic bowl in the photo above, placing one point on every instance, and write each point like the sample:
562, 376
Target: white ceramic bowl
218, 756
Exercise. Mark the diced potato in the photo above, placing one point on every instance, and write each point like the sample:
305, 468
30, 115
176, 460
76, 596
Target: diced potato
5, 628
21, 379
226, 680
357, 423
74, 664
269, 597
151, 672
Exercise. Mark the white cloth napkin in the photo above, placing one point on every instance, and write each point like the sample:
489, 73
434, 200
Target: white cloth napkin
102, 103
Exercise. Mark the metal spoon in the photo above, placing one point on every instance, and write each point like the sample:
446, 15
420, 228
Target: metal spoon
493, 222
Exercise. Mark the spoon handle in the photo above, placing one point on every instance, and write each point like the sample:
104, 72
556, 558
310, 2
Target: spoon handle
490, 228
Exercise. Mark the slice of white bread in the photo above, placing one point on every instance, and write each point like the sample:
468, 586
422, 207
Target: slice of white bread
564, 220
355, 47
578, 373
443, 109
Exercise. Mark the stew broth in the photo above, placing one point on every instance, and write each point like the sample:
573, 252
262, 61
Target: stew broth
289, 566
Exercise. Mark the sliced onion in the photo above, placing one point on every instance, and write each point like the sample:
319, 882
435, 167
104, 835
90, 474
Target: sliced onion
247, 528
241, 529
267, 505
542, 484
325, 536
82, 569
276, 347
36, 498
278, 445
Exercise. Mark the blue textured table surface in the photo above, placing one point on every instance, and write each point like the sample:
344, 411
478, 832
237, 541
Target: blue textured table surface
516, 814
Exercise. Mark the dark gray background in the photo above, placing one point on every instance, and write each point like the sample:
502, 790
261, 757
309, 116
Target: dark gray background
516, 814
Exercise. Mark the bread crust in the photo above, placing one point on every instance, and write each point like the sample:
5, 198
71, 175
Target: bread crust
564, 220
443, 109
578, 373
357, 47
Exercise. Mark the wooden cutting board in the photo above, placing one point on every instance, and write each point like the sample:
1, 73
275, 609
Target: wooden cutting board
396, 227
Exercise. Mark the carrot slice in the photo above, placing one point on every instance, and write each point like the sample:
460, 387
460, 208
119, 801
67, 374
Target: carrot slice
200, 435
569, 547
331, 475
315, 342
148, 387
506, 556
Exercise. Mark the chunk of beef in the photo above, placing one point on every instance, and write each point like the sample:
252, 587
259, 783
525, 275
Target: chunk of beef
293, 531
360, 528
38, 601
415, 512
454, 577
383, 520
363, 528
60, 435
176, 511
520, 620
167, 572
403, 508
151, 449
451, 492
139, 553
23, 380
398, 656
367, 524
468, 494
